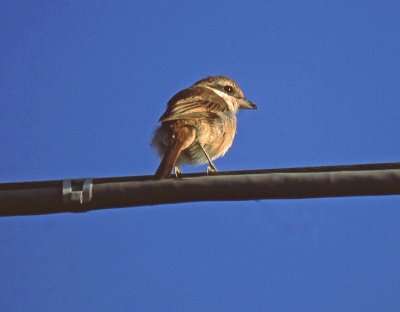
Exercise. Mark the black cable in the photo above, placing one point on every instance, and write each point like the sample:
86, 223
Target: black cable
32, 198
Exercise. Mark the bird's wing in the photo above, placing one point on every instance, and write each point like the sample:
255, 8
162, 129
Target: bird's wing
194, 102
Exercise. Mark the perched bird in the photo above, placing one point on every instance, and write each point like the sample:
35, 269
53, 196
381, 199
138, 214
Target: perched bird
199, 124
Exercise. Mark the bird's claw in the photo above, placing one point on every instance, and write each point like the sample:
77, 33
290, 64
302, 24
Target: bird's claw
178, 172
211, 170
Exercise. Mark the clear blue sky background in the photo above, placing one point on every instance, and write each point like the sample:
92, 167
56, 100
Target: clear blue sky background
82, 85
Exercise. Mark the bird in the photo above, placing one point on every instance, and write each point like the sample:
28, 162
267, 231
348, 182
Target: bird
198, 125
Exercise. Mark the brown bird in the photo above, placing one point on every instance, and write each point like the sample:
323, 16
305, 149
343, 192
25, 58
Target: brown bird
199, 124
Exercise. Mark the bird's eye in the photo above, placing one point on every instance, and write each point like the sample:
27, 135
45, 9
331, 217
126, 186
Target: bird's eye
228, 89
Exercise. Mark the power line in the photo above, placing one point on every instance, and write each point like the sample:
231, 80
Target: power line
80, 195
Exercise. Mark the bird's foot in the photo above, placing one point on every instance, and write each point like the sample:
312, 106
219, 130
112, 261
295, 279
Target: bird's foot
211, 169
178, 172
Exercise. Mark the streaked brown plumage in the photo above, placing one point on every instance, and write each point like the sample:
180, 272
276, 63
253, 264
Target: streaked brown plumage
199, 124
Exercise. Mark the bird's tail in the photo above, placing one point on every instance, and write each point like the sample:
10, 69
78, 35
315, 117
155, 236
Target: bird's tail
179, 141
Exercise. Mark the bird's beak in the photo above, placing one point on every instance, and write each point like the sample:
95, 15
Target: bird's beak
246, 104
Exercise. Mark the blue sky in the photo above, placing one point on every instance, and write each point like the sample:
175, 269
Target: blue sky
82, 85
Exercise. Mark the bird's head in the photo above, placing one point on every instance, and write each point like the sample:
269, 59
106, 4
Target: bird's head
228, 89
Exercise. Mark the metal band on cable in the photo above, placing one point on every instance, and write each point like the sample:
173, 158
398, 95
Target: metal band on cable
80, 196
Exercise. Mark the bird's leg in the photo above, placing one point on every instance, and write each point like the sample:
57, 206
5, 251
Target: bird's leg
178, 172
211, 168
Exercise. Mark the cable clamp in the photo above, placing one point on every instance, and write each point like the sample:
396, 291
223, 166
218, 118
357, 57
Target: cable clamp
77, 196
